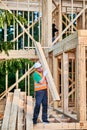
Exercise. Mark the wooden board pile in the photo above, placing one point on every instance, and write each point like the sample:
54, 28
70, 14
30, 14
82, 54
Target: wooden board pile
18, 112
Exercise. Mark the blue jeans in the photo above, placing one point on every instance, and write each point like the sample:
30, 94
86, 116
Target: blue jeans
41, 98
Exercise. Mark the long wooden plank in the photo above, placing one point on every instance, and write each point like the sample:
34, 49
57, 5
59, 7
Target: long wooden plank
13, 54
64, 78
14, 109
43, 61
29, 113
65, 45
7, 112
21, 114
81, 81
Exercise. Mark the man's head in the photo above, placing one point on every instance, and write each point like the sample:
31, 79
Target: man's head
38, 66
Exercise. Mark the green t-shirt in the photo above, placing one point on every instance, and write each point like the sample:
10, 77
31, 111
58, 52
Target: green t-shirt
37, 77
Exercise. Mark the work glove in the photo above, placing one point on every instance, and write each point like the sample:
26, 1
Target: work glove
45, 73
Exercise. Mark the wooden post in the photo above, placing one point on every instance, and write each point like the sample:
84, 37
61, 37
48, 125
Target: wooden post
32, 28
55, 76
29, 113
17, 32
59, 74
7, 112
72, 14
14, 109
60, 19
44, 17
25, 81
65, 82
23, 33
21, 114
6, 78
17, 79
76, 83
49, 22
28, 82
83, 16
81, 76
50, 61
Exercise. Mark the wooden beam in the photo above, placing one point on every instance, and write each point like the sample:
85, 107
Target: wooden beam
72, 15
51, 84
50, 62
24, 30
55, 76
14, 109
60, 19
81, 76
44, 16
65, 45
22, 5
53, 1
5, 122
29, 113
48, 23
84, 16
14, 54
21, 114
65, 82
17, 78
68, 114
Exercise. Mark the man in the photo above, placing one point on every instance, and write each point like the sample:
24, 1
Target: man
54, 30
40, 93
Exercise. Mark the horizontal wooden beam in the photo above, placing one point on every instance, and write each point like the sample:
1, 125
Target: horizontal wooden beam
22, 6
35, 6
13, 54
65, 45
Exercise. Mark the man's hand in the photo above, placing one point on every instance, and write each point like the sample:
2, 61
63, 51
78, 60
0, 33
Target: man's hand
45, 73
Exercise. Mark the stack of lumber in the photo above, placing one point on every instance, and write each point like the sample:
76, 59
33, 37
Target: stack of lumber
18, 112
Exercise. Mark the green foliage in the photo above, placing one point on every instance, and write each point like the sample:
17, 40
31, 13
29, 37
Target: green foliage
5, 46
11, 66
7, 17
21, 19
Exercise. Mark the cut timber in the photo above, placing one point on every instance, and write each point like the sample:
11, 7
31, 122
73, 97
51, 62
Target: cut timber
14, 109
29, 113
7, 112
13, 54
46, 67
21, 106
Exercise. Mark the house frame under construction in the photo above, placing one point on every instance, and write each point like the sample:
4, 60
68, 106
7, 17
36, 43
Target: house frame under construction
65, 57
